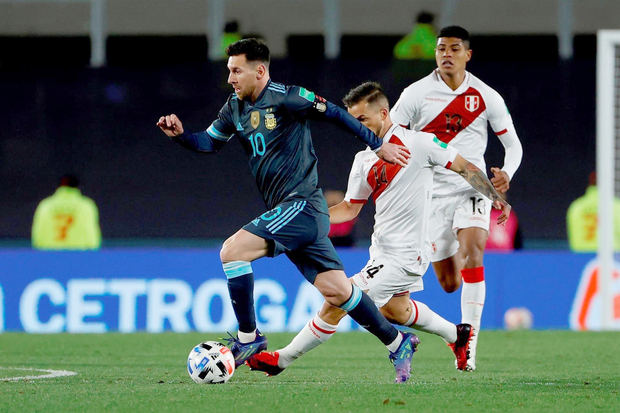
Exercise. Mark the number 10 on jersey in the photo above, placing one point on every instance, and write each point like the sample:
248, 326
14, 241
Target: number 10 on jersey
258, 144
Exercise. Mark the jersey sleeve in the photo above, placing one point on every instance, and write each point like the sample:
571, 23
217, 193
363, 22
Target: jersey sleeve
215, 137
404, 112
223, 127
299, 99
437, 153
503, 127
499, 116
358, 189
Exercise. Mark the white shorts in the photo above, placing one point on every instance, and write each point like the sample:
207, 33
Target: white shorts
450, 213
384, 277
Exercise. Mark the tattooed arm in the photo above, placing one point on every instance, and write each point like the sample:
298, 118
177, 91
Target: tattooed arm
481, 183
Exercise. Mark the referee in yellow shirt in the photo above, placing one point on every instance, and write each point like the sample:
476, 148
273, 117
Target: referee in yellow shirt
67, 220
582, 220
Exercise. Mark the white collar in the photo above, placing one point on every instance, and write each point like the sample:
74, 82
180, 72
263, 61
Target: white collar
462, 88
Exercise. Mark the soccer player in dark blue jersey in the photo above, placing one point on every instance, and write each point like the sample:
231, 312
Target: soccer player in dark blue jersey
271, 122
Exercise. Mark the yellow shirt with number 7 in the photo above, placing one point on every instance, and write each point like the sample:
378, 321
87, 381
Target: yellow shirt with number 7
67, 220
582, 222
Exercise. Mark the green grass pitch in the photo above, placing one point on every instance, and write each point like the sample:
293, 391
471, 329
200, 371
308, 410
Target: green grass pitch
557, 371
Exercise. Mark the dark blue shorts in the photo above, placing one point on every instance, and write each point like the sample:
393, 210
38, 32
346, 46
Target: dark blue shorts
299, 229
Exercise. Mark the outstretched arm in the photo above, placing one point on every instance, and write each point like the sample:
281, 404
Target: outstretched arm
298, 99
389, 152
172, 126
481, 183
344, 211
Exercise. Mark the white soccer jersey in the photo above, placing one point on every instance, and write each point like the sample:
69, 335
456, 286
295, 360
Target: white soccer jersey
458, 117
402, 195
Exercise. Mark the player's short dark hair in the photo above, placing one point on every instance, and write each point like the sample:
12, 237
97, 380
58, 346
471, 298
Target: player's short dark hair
69, 180
367, 91
455, 31
253, 49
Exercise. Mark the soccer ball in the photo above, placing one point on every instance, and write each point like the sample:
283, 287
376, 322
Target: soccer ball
210, 362
518, 318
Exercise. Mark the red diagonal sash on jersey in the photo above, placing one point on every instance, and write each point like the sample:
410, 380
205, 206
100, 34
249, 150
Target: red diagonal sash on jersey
382, 173
458, 115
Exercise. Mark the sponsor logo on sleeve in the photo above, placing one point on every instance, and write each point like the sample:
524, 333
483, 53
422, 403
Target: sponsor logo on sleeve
306, 94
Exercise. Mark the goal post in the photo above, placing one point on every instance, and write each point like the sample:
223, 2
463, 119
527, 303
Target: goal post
607, 165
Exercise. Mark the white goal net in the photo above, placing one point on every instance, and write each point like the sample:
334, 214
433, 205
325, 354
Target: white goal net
608, 172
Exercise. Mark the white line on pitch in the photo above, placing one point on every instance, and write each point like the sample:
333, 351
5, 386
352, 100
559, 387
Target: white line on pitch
50, 374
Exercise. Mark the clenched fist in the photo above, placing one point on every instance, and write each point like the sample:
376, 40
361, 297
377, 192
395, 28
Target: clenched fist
171, 125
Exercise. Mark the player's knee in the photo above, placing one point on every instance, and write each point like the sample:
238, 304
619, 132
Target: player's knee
228, 252
333, 293
334, 286
475, 255
335, 297
450, 284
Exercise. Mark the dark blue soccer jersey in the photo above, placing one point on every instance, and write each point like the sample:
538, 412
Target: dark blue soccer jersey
275, 134
276, 137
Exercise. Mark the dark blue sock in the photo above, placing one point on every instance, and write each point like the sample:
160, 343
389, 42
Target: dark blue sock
362, 309
241, 290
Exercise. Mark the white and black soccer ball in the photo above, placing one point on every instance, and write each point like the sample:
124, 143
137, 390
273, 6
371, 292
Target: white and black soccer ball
210, 362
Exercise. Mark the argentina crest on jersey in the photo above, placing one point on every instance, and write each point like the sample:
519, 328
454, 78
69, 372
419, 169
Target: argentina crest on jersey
472, 102
270, 121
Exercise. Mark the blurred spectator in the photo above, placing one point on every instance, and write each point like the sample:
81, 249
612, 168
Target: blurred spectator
505, 237
66, 220
231, 34
341, 234
420, 43
582, 220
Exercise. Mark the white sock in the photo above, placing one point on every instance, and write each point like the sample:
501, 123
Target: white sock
424, 319
473, 294
246, 337
312, 335
472, 303
393, 346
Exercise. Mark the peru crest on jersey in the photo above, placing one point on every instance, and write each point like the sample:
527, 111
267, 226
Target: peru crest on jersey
472, 102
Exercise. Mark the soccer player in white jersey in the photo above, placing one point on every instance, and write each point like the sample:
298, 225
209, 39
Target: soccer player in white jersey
456, 106
401, 249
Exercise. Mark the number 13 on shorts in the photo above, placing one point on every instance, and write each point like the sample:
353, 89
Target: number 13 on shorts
478, 206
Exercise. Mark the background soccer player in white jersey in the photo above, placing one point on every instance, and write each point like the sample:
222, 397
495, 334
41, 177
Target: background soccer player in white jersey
455, 106
400, 250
